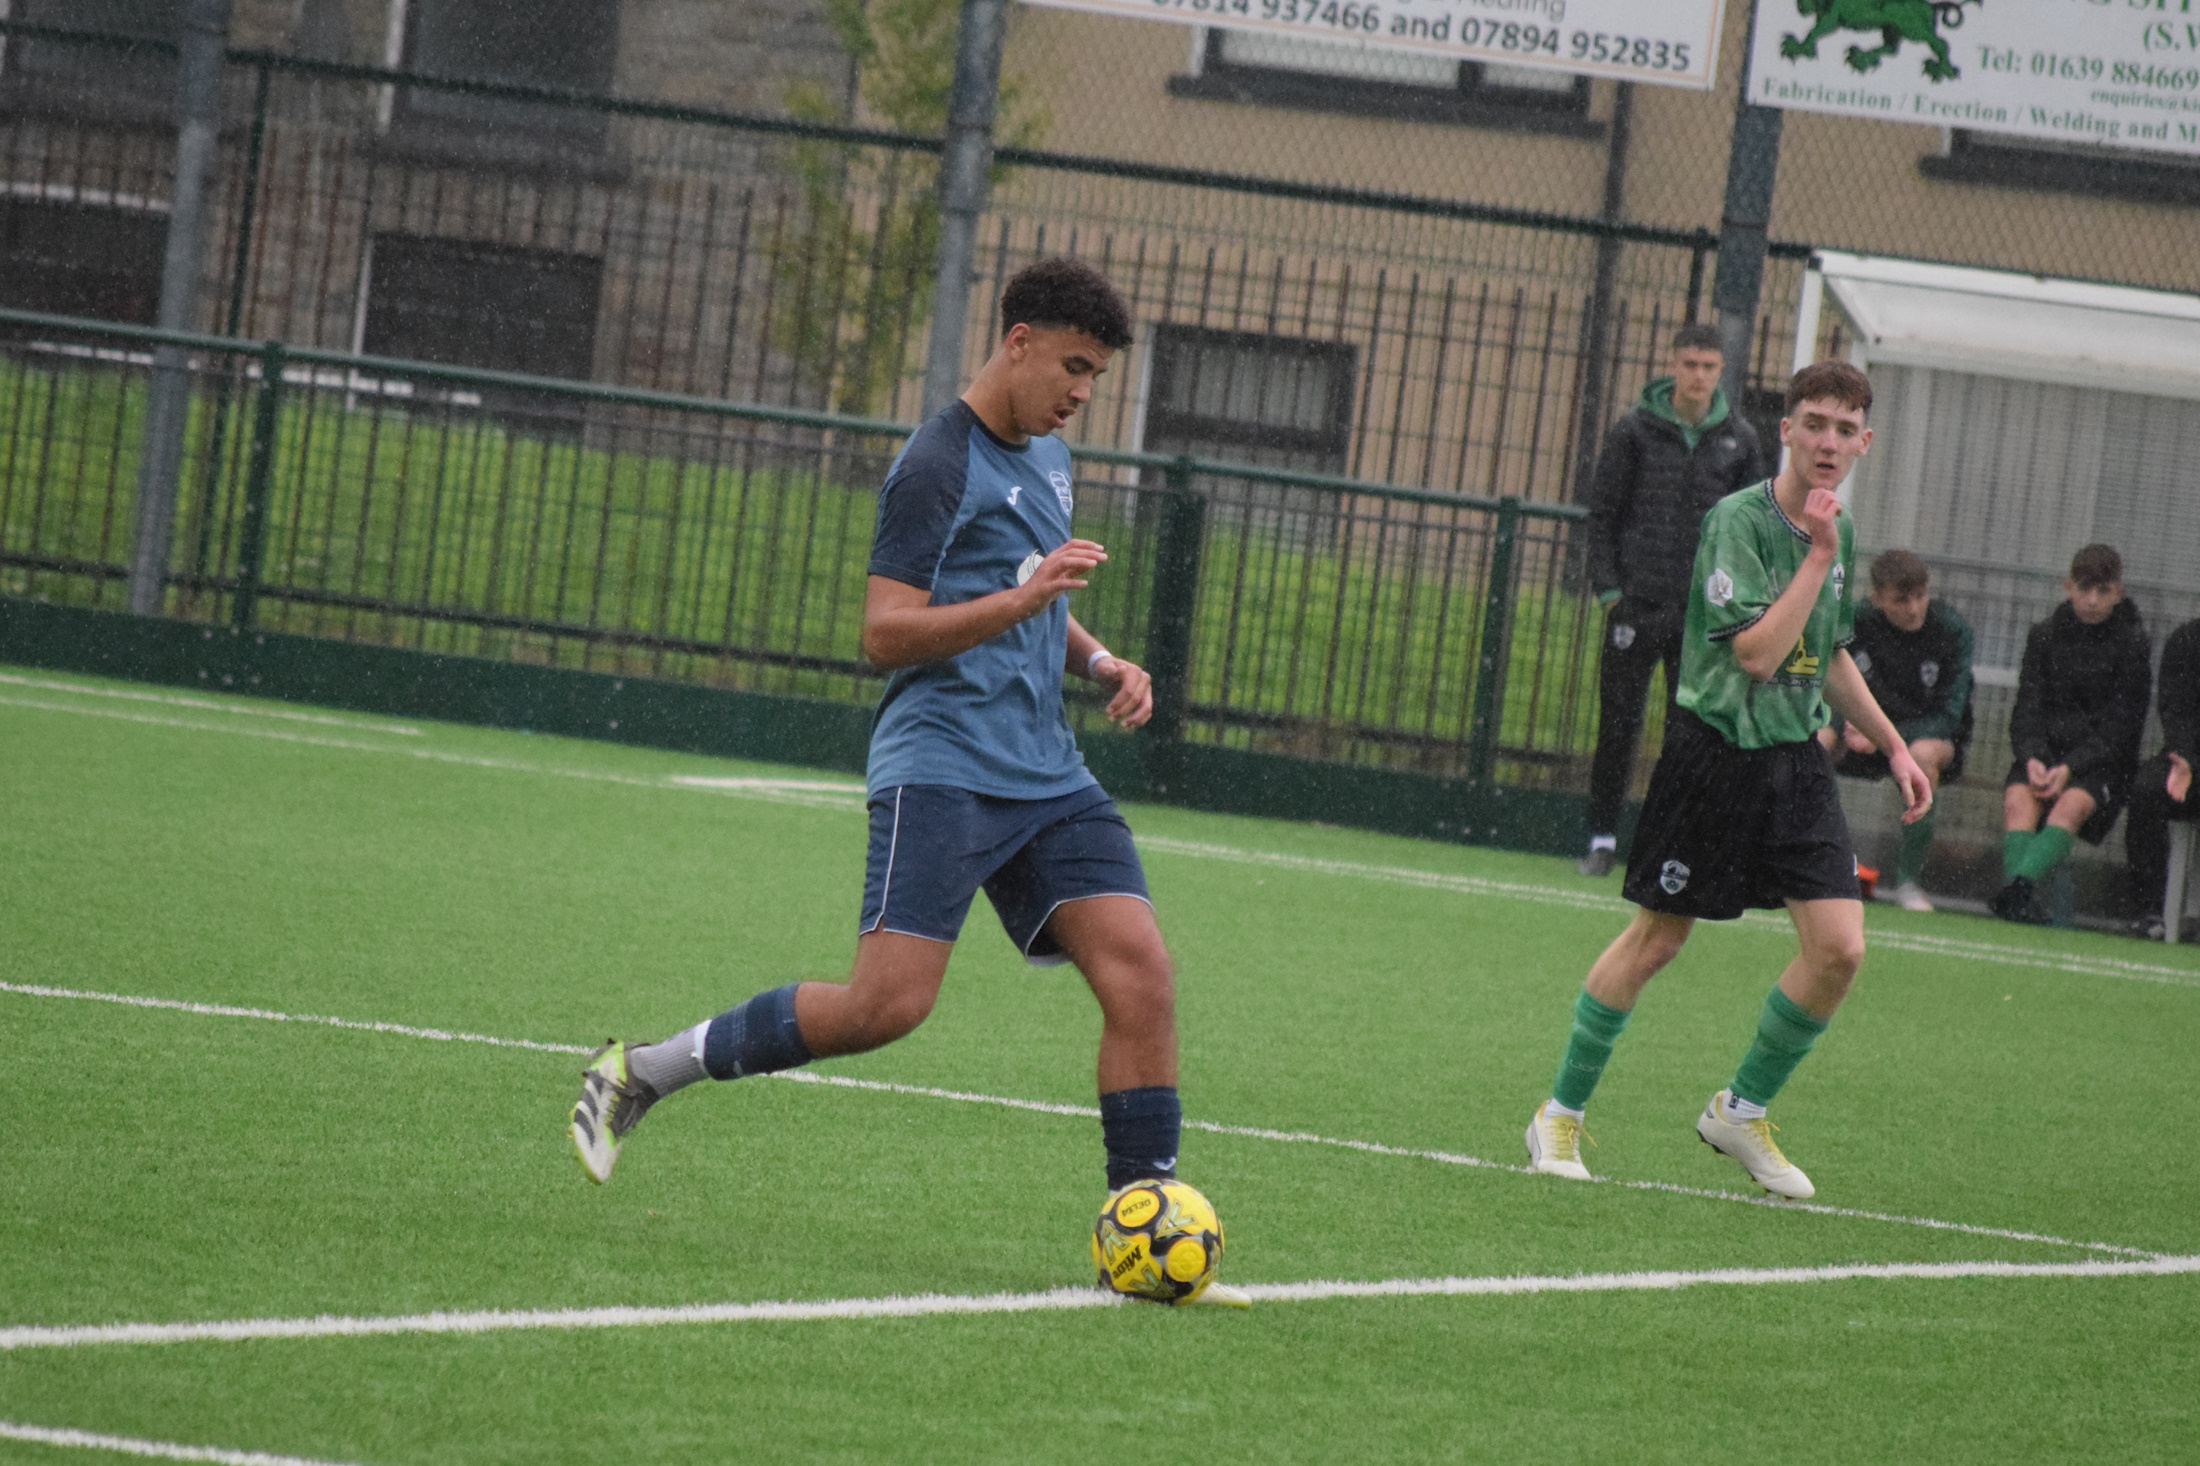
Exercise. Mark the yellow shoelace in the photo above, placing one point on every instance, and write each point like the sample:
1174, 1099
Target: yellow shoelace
1571, 1132
1763, 1129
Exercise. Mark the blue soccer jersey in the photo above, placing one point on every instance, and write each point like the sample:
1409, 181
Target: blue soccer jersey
964, 514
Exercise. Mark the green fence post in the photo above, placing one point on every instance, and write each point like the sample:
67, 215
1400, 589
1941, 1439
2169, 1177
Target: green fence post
1489, 672
1177, 543
259, 481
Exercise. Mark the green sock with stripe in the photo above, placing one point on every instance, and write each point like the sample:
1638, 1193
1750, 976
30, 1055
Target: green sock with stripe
1785, 1033
1588, 1050
1916, 840
2049, 848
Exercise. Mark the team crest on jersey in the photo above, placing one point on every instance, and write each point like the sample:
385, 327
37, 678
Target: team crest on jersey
1031, 564
1673, 877
1623, 636
1718, 589
1863, 660
1060, 480
1928, 673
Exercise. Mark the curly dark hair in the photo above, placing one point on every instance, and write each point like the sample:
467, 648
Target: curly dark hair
1836, 380
1067, 292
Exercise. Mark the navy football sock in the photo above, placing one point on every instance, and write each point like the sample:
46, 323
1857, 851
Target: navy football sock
1140, 1129
759, 1037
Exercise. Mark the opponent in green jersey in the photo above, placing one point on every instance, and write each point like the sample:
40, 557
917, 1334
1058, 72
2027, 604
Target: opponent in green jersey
1750, 552
1742, 810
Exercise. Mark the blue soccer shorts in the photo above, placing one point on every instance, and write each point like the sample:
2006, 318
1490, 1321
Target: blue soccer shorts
934, 847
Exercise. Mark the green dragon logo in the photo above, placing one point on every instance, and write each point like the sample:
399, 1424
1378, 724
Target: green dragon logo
1896, 21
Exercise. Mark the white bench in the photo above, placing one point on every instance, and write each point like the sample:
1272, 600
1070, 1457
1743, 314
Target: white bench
2184, 875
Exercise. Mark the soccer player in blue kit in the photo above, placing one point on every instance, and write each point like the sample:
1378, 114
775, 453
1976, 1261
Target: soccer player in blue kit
974, 781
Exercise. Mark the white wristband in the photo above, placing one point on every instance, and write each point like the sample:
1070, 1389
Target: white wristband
1092, 663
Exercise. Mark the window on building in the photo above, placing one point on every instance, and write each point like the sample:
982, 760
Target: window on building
464, 302
71, 259
2098, 170
566, 45
1278, 401
1243, 397
117, 82
1374, 81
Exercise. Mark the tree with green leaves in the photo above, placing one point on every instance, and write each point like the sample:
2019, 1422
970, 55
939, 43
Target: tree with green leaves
851, 300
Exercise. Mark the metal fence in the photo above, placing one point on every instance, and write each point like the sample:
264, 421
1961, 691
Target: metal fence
788, 262
577, 525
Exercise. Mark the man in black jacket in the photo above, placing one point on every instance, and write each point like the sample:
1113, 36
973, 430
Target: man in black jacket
2163, 790
1669, 458
2081, 706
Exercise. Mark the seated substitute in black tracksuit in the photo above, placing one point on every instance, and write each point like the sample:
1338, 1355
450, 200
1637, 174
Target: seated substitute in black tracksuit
2153, 806
1655, 478
1921, 678
2081, 708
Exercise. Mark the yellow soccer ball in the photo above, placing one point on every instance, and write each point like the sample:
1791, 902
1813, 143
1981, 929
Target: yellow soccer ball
1157, 1240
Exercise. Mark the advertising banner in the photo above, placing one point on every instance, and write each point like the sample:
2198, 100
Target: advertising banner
2122, 72
1673, 42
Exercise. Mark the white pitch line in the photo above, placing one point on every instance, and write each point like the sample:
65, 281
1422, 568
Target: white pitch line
1458, 1158
123, 1445
211, 705
1049, 1107
925, 1305
435, 755
710, 781
827, 794
270, 1015
1465, 885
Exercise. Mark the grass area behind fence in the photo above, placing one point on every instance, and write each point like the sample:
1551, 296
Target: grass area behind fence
648, 542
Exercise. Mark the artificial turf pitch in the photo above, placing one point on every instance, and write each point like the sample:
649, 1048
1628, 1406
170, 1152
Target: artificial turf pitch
168, 1165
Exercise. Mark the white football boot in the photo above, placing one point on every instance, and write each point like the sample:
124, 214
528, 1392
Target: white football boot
612, 1102
1554, 1144
1750, 1142
1219, 1294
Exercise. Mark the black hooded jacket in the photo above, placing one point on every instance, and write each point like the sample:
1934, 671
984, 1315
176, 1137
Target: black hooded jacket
1655, 478
2082, 694
2179, 699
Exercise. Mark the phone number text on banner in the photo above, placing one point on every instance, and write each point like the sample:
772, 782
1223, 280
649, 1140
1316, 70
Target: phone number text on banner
2121, 72
1674, 42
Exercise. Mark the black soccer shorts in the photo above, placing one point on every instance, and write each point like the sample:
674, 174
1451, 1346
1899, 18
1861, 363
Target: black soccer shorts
1727, 828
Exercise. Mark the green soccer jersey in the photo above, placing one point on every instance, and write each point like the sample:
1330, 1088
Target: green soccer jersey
1748, 553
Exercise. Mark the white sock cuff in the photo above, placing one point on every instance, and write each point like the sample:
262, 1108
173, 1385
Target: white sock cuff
1552, 1106
1734, 1107
1604, 842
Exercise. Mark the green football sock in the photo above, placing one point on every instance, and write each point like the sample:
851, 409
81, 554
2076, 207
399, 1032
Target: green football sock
2049, 848
1588, 1050
1916, 840
1784, 1034
2014, 843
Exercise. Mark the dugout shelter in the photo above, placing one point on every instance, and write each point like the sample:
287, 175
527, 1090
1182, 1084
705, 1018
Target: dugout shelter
2017, 417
